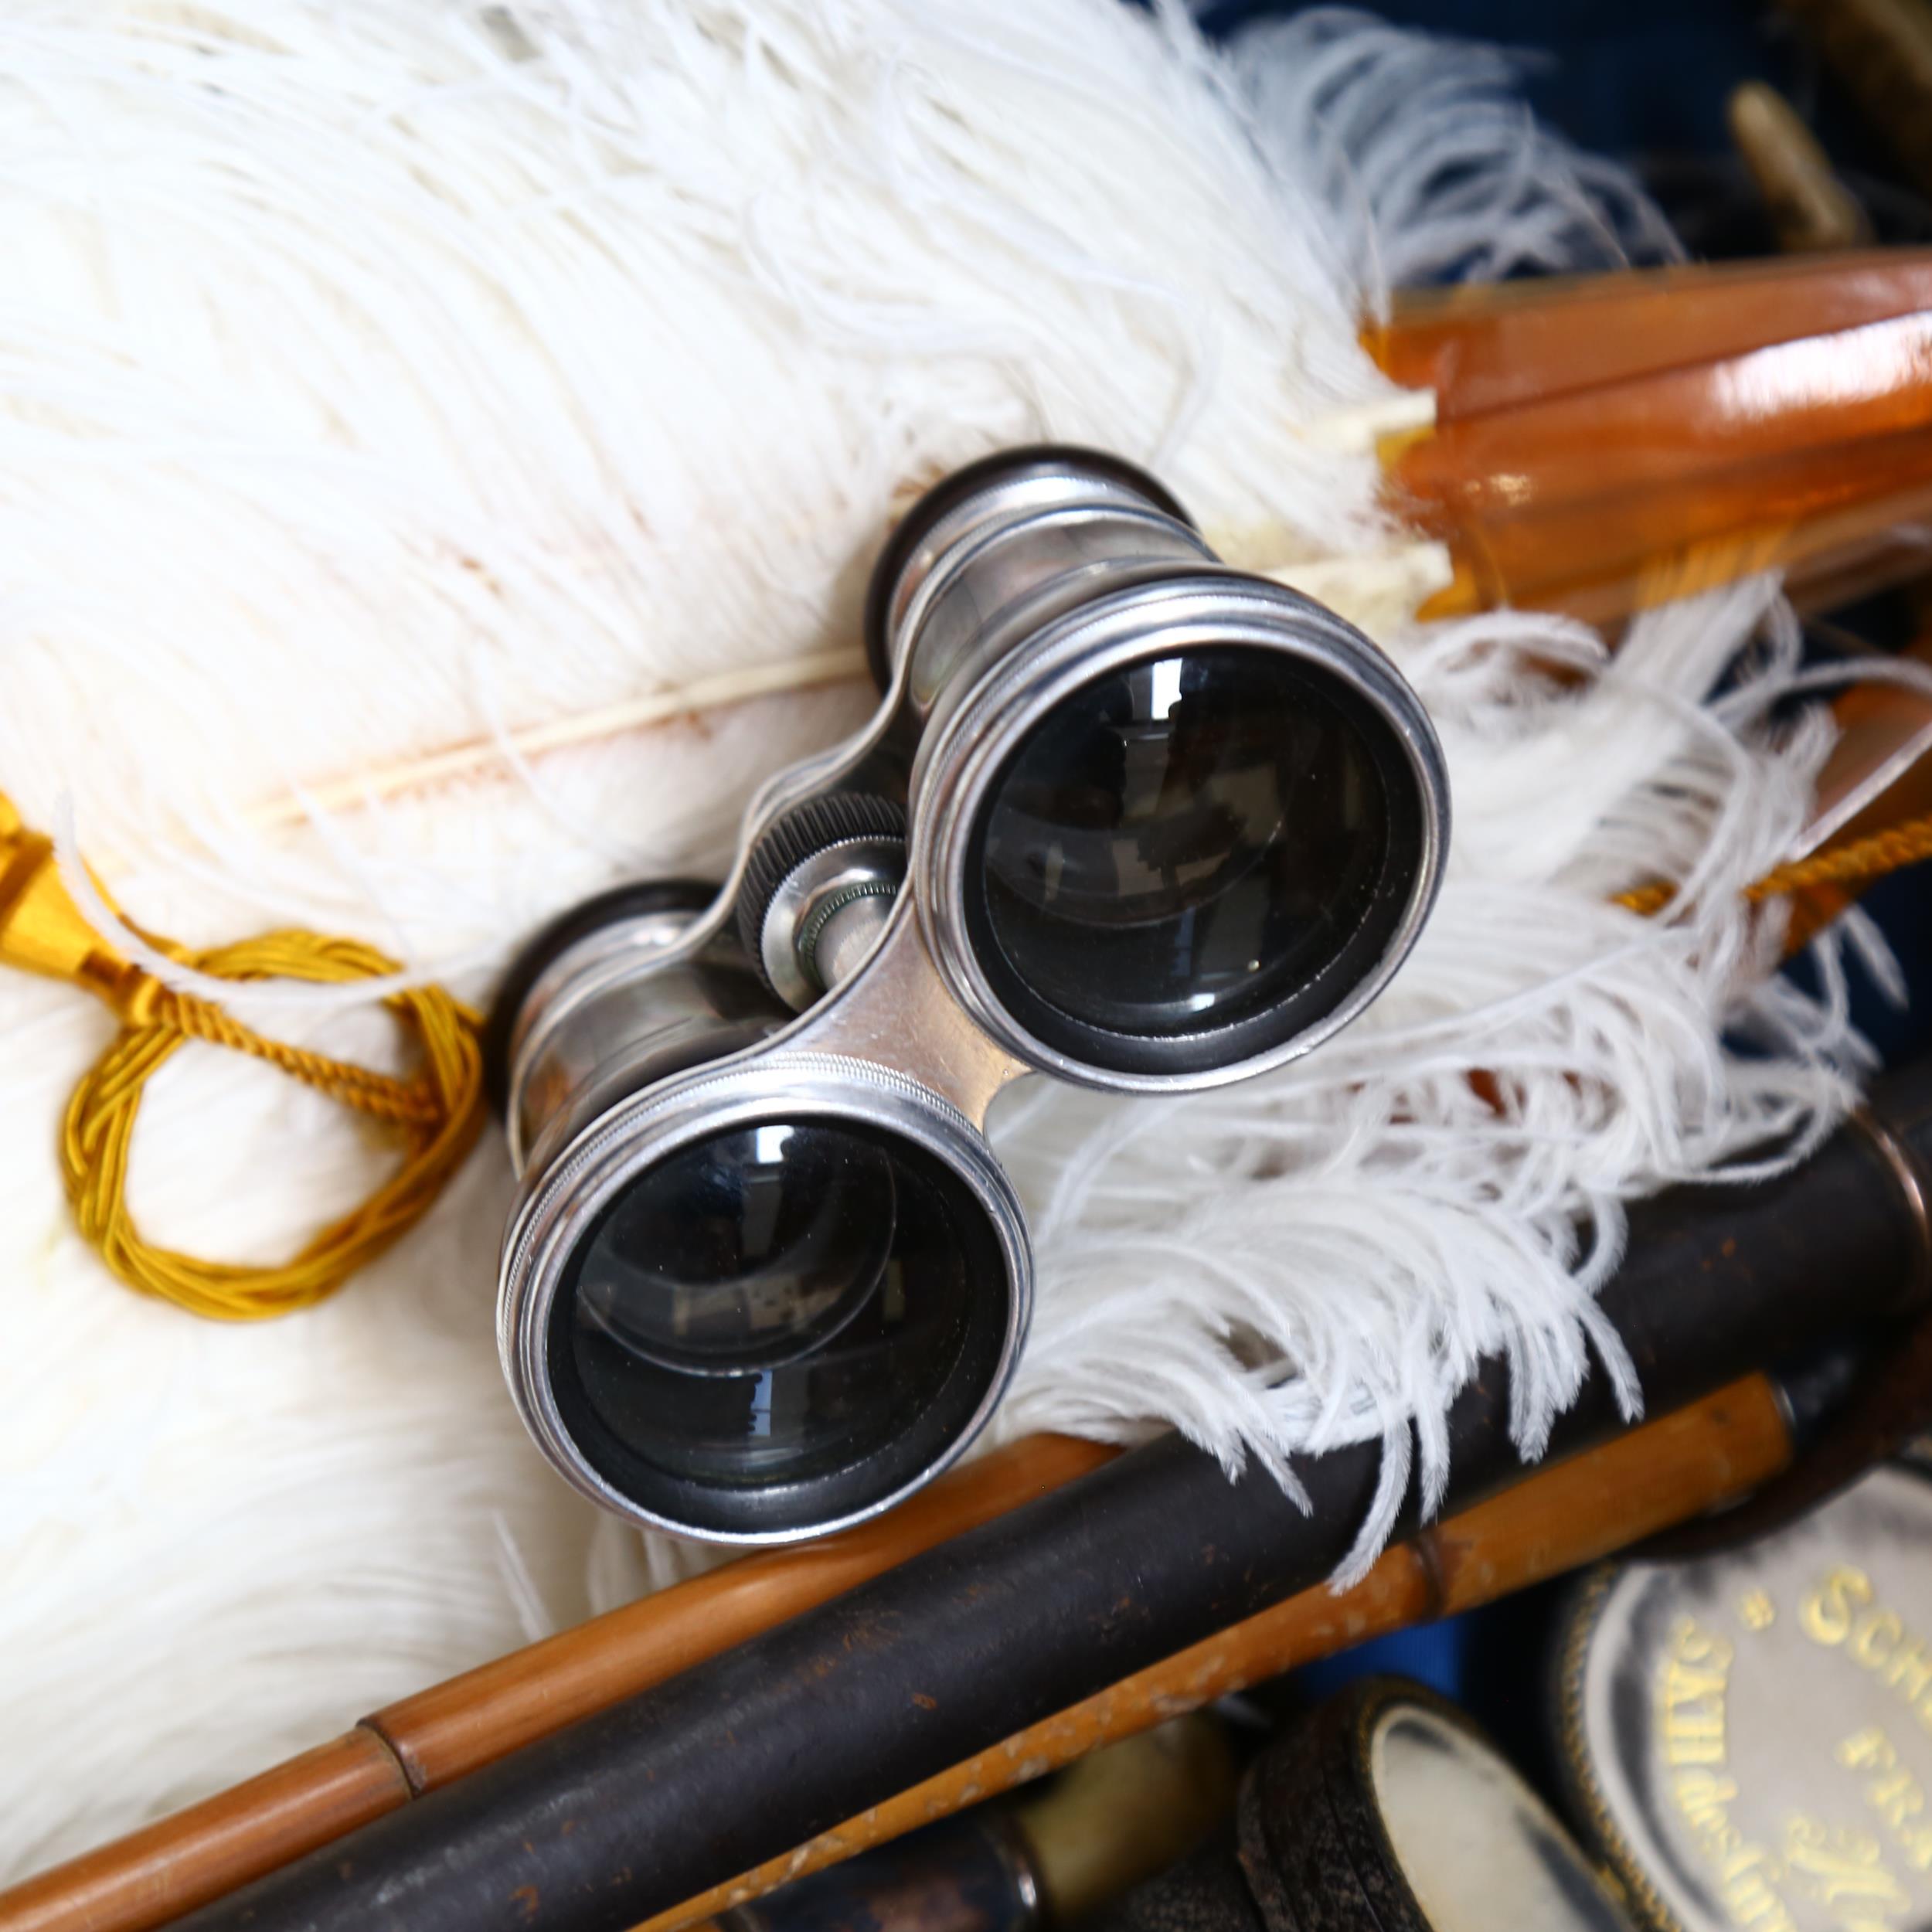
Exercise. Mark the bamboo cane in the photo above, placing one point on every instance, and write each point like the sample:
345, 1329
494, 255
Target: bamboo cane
454, 1728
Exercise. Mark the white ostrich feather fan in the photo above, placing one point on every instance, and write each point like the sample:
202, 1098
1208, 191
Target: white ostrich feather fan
390, 388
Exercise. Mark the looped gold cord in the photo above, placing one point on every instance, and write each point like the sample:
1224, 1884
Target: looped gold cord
1863, 859
438, 1111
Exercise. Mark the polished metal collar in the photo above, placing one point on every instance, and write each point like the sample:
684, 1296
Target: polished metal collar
968, 742
573, 1191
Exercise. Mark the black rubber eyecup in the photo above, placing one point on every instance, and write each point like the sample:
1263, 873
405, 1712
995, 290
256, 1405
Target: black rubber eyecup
951, 491
635, 901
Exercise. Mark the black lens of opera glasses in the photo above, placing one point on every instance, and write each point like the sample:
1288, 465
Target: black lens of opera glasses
740, 1253
1187, 846
1123, 815
789, 1306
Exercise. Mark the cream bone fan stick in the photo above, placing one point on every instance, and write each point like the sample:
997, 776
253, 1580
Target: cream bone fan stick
1374, 589
1371, 591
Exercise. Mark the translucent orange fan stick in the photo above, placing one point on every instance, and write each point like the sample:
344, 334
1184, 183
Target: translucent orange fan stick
1603, 445
1603, 558
1484, 347
1825, 395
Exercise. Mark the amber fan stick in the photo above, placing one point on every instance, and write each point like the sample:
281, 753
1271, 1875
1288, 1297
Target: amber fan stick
1602, 446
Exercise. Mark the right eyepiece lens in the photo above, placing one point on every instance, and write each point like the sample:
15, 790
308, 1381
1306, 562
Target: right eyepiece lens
1200, 841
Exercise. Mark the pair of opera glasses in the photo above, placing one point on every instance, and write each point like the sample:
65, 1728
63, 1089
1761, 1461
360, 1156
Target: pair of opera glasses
1123, 815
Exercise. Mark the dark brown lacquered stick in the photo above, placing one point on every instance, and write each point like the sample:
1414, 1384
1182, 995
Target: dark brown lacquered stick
1572, 1513
179, 1862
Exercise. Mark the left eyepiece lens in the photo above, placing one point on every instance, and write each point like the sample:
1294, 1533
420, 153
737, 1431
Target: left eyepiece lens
780, 1326
740, 1254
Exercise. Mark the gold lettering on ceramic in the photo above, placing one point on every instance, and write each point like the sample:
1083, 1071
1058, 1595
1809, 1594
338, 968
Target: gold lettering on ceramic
1692, 1695
1842, 1612
1692, 1688
1846, 1873
1894, 1793
1908, 1672
1826, 1614
1873, 1637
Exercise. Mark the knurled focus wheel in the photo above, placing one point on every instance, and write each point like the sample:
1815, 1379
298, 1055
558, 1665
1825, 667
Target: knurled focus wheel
839, 818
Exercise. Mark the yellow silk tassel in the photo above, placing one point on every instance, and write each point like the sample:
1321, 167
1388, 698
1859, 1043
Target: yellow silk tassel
439, 1111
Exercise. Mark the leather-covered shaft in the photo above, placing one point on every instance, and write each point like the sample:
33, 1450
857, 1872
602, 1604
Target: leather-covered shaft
735, 1761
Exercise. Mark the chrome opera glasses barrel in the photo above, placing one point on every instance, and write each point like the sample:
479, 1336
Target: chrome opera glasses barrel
1173, 823
1123, 815
747, 1296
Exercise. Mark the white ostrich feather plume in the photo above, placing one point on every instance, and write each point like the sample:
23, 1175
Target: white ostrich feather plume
381, 375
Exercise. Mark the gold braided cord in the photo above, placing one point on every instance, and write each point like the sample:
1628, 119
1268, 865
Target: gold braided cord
1857, 863
439, 1112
